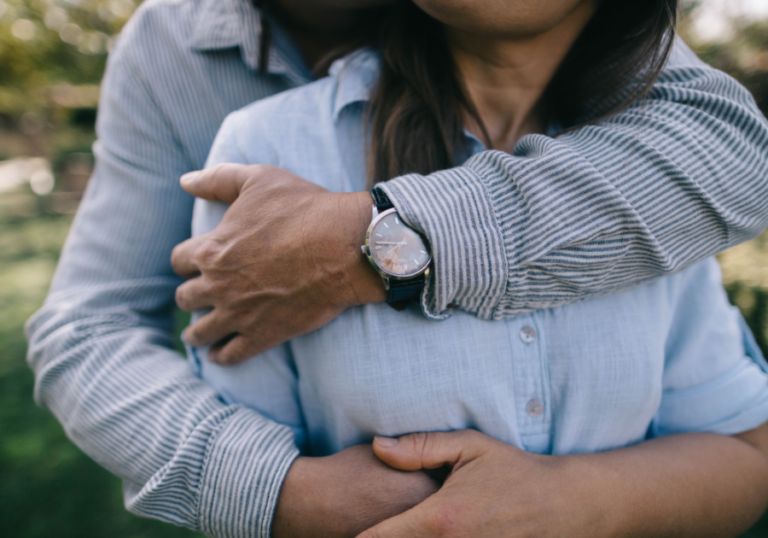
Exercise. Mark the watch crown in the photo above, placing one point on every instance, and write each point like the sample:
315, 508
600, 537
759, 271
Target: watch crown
364, 249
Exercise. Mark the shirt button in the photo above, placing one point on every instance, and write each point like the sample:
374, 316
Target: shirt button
528, 335
534, 408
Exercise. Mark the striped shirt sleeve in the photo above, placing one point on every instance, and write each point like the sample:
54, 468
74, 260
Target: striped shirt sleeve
676, 178
102, 345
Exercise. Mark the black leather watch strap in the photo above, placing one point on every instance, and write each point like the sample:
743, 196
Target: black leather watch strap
403, 292
381, 200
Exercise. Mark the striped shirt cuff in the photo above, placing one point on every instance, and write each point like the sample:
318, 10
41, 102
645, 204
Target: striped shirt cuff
246, 462
453, 210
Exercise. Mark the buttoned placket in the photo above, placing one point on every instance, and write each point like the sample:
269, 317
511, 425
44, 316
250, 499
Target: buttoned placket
531, 382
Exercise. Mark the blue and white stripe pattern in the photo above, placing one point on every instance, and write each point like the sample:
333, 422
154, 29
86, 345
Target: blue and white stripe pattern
610, 206
102, 348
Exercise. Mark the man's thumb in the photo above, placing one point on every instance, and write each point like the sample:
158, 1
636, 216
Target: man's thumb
222, 182
429, 450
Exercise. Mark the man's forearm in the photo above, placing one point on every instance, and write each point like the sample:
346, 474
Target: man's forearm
682, 485
133, 405
645, 193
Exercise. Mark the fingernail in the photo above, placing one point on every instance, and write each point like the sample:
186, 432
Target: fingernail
189, 178
386, 442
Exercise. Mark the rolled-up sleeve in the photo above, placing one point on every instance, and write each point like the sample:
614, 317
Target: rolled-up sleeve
714, 378
677, 177
102, 345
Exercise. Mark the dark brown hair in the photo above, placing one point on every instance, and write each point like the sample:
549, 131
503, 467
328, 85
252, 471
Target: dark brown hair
418, 109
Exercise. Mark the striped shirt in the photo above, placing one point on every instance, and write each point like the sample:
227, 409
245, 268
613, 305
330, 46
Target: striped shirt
645, 193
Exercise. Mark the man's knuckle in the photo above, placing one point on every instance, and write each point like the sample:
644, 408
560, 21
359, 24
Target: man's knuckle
208, 252
175, 255
218, 289
224, 359
181, 298
421, 444
191, 336
219, 169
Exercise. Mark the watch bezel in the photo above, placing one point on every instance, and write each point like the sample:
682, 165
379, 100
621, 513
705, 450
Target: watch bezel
378, 217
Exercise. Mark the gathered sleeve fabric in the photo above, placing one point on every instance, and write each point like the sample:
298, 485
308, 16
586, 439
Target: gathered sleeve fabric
102, 345
675, 178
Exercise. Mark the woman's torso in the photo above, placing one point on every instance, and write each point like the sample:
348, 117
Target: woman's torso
580, 378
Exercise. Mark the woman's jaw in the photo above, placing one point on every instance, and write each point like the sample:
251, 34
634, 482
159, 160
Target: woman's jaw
507, 51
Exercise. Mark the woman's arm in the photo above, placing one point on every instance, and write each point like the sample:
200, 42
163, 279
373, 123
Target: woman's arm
683, 485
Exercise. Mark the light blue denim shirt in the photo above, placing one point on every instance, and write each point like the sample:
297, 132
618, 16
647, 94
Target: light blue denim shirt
665, 358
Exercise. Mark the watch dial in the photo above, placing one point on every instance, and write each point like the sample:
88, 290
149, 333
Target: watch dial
396, 248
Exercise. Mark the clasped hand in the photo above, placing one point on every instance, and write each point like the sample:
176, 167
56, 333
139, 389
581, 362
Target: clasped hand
493, 490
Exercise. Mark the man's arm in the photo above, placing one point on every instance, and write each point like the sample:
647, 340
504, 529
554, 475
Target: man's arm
102, 349
102, 345
676, 178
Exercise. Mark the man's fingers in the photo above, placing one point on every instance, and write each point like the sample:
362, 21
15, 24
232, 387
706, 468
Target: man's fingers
182, 257
222, 182
207, 330
413, 523
430, 450
234, 351
193, 295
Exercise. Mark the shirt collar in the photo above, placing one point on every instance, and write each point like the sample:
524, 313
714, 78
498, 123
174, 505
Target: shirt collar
226, 24
358, 74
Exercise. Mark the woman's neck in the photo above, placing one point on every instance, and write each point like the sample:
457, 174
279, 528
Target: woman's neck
505, 76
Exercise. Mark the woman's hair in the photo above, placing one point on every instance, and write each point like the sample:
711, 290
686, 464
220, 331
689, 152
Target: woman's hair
419, 107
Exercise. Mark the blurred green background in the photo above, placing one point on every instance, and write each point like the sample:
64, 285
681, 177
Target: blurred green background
52, 56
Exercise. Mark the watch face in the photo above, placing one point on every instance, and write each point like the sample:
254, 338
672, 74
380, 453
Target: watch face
396, 248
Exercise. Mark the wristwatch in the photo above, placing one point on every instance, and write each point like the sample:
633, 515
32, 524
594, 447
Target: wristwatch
397, 252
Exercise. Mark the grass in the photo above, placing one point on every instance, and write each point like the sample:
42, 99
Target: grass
49, 488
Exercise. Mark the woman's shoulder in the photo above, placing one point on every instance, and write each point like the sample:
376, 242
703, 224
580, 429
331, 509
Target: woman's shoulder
299, 112
282, 113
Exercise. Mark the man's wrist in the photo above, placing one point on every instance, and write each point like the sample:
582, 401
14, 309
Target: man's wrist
365, 284
288, 511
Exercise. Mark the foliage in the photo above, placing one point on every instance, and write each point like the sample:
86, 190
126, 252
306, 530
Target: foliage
745, 58
43, 42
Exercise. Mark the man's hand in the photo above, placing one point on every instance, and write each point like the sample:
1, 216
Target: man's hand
493, 490
344, 494
284, 261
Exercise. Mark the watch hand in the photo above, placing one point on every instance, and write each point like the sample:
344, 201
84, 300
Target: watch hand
401, 243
